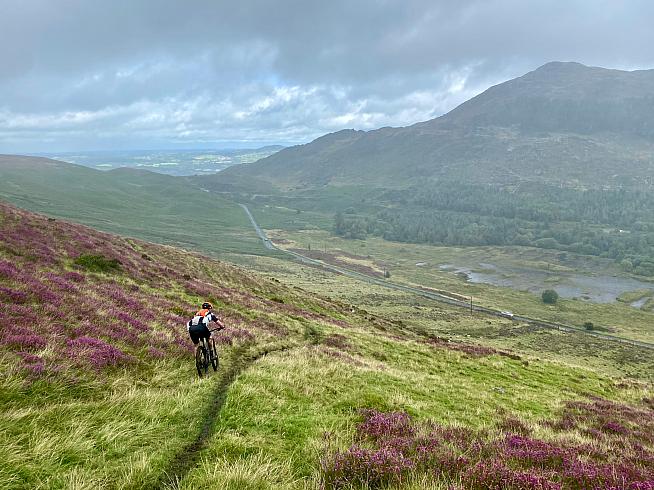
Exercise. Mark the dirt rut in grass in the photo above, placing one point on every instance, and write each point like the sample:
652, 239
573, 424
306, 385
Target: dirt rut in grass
187, 457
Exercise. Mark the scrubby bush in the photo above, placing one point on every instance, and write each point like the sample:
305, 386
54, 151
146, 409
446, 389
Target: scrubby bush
97, 263
589, 326
313, 334
550, 296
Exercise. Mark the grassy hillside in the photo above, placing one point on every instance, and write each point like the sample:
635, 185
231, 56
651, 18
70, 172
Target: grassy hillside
98, 388
131, 202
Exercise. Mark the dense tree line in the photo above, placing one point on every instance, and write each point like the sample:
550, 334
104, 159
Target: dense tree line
614, 224
620, 207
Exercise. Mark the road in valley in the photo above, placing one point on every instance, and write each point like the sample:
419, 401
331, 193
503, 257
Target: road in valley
437, 296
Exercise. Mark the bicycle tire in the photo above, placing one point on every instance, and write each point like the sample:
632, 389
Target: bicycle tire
205, 354
201, 363
213, 354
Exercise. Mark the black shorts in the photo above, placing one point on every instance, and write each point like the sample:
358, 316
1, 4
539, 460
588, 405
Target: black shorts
198, 332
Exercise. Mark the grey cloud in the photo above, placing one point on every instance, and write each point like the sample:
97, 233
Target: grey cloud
207, 71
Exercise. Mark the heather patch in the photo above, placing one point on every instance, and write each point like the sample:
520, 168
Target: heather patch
337, 341
471, 350
96, 353
13, 295
24, 341
513, 425
42, 292
233, 335
610, 421
392, 448
43, 305
116, 293
131, 321
32, 364
8, 270
74, 276
156, 353
379, 426
61, 283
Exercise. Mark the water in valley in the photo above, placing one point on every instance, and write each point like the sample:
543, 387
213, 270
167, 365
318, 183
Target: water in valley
602, 288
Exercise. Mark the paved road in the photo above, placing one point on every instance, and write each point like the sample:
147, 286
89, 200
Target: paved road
440, 297
262, 235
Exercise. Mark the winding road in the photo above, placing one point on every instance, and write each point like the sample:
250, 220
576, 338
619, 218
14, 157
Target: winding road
439, 297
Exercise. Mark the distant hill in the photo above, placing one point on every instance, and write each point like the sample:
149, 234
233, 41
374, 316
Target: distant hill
128, 201
562, 124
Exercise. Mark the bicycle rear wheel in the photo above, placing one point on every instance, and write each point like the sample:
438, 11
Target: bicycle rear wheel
201, 363
213, 354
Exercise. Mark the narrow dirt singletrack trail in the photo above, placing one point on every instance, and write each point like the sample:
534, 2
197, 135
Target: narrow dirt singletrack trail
187, 457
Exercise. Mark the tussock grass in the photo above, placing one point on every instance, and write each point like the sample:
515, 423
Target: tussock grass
119, 438
255, 471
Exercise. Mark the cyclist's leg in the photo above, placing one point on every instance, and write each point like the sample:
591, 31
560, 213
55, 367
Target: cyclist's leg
205, 348
194, 333
206, 335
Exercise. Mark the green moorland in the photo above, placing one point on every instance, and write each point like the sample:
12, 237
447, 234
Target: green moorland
419, 265
99, 389
613, 224
138, 203
426, 317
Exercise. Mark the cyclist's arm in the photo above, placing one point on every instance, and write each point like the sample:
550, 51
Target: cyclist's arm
220, 324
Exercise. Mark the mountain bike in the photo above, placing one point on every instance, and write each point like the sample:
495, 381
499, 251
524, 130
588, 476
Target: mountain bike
206, 353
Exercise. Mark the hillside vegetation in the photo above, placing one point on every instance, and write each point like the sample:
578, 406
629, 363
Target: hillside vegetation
98, 385
131, 202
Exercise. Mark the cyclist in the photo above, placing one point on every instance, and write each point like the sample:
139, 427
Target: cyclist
198, 326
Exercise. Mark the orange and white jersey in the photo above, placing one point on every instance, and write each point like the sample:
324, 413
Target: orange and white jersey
202, 317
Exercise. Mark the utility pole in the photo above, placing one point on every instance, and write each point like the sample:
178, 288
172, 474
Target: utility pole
470, 304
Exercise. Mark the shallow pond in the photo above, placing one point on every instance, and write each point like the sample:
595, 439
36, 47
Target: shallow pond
595, 288
641, 302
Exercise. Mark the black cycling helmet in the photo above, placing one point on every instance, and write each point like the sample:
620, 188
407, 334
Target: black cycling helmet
207, 306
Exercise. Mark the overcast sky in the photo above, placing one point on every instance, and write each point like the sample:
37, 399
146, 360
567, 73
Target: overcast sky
131, 74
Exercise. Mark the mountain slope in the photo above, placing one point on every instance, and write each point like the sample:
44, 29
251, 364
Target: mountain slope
99, 391
563, 123
565, 97
98, 382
